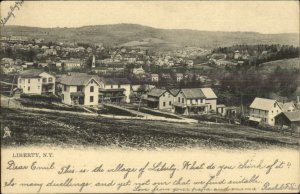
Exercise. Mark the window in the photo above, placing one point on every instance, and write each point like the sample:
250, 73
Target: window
39, 87
119, 86
29, 81
91, 98
210, 106
50, 79
178, 99
39, 80
271, 119
170, 103
164, 103
274, 105
111, 86
92, 89
78, 89
182, 100
65, 88
28, 88
272, 112
44, 79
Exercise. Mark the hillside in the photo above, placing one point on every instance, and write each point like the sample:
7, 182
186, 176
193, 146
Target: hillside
284, 64
118, 34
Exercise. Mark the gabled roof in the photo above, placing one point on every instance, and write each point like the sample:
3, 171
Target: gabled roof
193, 93
286, 106
156, 92
292, 116
209, 93
112, 81
263, 103
174, 92
33, 73
77, 79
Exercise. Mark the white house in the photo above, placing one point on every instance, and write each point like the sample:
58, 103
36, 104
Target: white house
36, 82
79, 89
72, 64
154, 77
194, 100
264, 110
159, 99
114, 89
138, 71
179, 77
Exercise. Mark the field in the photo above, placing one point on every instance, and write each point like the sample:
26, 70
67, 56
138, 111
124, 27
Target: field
62, 129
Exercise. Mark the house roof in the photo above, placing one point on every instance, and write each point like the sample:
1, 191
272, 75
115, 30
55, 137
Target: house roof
156, 92
209, 93
286, 106
174, 92
193, 93
33, 73
112, 81
263, 103
76, 79
293, 116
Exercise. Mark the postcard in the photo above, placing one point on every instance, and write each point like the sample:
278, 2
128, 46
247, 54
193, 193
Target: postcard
150, 97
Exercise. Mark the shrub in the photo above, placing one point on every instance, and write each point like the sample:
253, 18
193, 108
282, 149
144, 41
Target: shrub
43, 97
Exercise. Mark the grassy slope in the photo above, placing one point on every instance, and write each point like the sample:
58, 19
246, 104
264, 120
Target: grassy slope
36, 128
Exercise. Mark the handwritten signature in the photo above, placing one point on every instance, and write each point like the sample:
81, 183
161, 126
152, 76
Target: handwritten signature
11, 12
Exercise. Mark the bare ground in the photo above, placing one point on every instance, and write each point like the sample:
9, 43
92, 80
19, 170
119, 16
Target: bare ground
57, 129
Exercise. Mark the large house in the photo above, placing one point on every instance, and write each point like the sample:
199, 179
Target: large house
114, 89
195, 100
79, 89
72, 64
36, 82
264, 111
159, 99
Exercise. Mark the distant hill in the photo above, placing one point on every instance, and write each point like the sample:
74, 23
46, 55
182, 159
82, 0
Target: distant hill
133, 35
284, 64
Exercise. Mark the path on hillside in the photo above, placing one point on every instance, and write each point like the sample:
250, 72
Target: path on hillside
14, 104
153, 117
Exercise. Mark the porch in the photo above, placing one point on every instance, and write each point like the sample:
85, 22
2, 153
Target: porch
111, 95
77, 98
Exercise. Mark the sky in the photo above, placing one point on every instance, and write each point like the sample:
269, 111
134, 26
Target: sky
267, 17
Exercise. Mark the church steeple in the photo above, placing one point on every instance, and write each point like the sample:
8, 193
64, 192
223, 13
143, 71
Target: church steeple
93, 62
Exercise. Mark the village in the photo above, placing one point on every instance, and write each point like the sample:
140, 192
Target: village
129, 83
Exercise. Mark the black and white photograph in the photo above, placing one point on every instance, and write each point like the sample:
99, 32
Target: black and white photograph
150, 96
